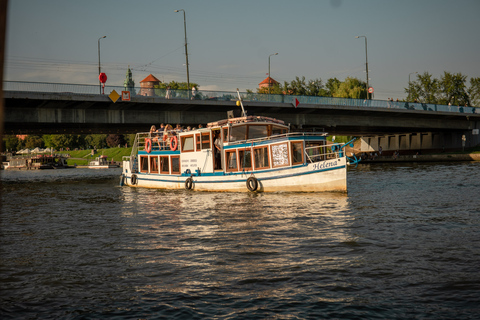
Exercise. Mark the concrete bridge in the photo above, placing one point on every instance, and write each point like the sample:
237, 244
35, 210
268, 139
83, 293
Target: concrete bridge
394, 125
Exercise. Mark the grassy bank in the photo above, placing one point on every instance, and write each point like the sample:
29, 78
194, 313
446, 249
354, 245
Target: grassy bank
82, 157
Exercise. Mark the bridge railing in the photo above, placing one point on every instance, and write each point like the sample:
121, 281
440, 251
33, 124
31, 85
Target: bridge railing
65, 88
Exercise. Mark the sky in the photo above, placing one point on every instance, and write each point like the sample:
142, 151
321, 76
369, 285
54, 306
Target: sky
229, 42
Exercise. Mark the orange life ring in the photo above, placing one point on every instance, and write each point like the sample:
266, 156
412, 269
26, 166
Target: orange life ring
148, 145
173, 143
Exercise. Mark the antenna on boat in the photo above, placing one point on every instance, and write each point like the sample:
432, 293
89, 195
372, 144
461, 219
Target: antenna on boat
241, 104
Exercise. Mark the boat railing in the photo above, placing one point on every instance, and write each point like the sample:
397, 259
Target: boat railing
323, 152
279, 136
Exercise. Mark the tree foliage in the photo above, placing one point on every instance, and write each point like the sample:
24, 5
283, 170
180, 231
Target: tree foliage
450, 88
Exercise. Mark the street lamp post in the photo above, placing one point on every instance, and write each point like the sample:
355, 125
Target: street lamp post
366, 61
409, 83
186, 49
270, 78
99, 68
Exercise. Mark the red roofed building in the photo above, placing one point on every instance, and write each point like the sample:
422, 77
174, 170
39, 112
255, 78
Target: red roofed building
147, 85
268, 82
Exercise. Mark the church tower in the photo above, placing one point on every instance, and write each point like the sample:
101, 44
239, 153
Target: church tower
129, 84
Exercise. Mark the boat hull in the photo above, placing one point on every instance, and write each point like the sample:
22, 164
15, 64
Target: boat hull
324, 176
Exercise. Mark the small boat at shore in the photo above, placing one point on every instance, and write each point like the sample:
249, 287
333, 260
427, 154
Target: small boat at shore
37, 162
102, 162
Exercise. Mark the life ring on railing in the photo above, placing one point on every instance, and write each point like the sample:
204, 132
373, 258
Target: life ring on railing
252, 184
189, 183
133, 179
173, 143
148, 145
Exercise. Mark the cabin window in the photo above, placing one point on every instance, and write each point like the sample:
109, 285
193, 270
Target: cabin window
257, 131
279, 154
276, 130
187, 143
164, 165
206, 141
231, 160
144, 164
198, 142
175, 164
245, 158
297, 152
237, 133
153, 164
261, 158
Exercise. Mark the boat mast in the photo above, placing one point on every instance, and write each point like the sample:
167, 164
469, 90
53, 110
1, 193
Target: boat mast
241, 104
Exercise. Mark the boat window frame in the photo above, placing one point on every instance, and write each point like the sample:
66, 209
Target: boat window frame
141, 161
302, 151
198, 142
205, 137
266, 126
151, 160
268, 157
227, 167
182, 142
171, 165
240, 168
160, 167
288, 154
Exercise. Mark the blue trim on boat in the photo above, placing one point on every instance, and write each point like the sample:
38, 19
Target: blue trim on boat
144, 176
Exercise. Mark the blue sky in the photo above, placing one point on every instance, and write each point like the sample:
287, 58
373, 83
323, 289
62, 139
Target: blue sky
229, 41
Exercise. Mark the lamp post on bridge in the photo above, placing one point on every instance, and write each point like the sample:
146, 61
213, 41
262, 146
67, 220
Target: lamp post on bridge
409, 83
366, 61
270, 78
99, 67
186, 50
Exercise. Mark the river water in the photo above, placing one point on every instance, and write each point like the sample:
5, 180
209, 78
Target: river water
403, 244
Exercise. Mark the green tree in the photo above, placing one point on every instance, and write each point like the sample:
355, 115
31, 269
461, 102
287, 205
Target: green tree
453, 89
351, 88
11, 143
424, 89
33, 141
332, 86
98, 141
474, 92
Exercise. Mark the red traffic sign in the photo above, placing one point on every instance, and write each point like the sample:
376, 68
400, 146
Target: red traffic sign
370, 90
102, 77
295, 102
126, 95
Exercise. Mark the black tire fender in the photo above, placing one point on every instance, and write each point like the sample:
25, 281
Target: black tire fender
252, 184
189, 183
133, 179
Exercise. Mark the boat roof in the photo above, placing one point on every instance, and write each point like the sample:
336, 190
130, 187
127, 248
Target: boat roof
247, 119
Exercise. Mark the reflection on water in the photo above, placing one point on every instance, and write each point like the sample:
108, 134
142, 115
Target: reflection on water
402, 244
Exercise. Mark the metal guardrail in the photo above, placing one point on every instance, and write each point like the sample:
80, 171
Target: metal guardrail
65, 88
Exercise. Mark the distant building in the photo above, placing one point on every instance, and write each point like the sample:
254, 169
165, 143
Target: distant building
268, 82
129, 84
147, 85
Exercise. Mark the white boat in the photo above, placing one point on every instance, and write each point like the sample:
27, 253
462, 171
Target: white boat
256, 154
102, 162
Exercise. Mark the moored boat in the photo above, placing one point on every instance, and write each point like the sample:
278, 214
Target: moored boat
102, 162
37, 162
250, 153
